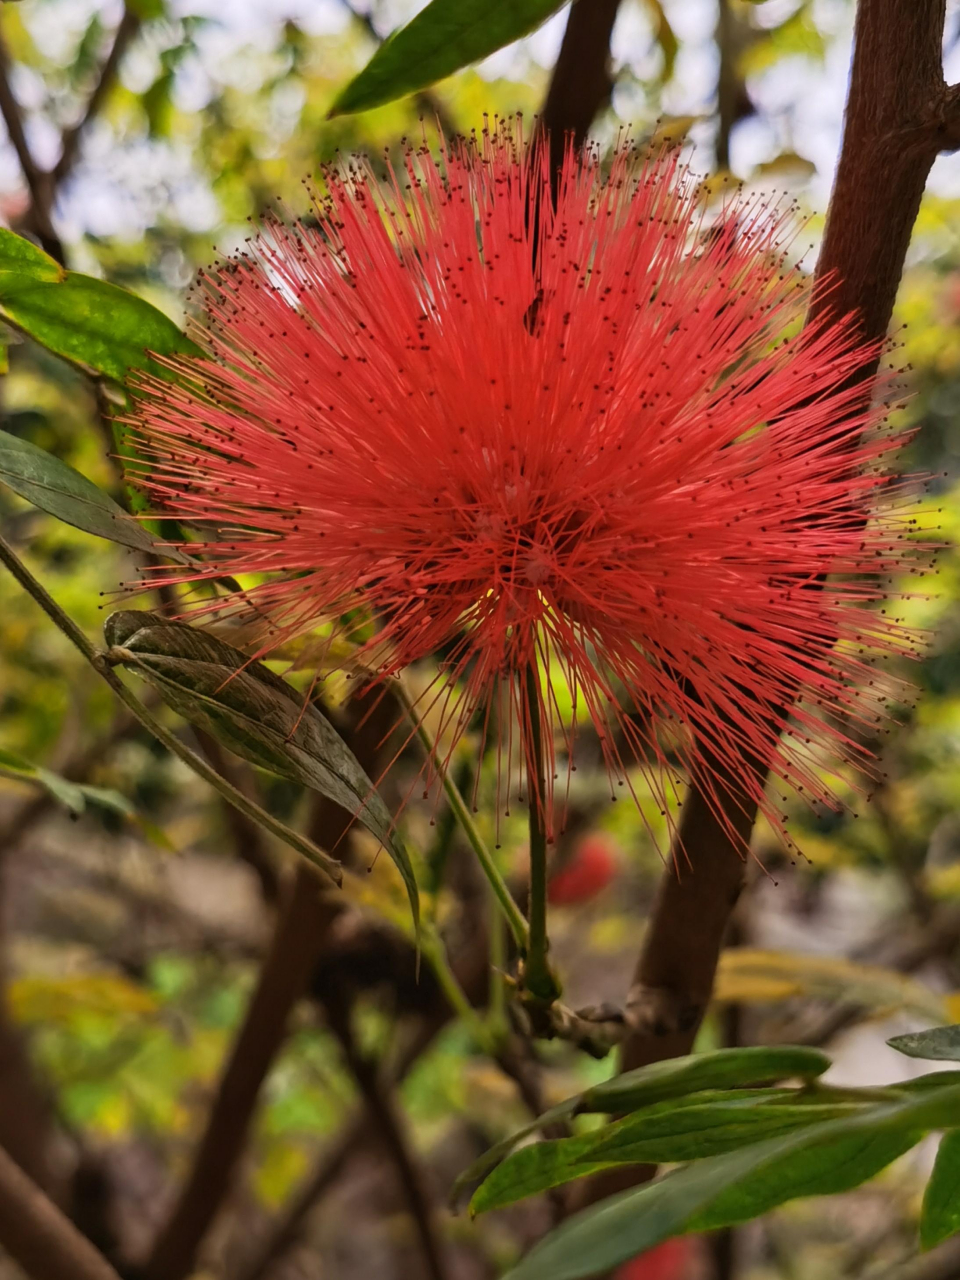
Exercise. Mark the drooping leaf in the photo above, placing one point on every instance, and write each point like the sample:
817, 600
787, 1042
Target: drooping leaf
941, 1043
255, 714
442, 38
940, 1216
58, 489
721, 1069
825, 1158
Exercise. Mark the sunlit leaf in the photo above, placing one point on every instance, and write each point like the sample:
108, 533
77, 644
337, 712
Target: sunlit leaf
97, 325
746, 975
442, 38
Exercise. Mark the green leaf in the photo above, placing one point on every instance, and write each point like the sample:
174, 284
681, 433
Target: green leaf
665, 37
21, 262
100, 327
442, 38
703, 1125
74, 796
255, 714
822, 1165
721, 1069
940, 1215
825, 1158
937, 1043
58, 489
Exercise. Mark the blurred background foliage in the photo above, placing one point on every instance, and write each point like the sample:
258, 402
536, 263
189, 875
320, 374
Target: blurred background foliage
132, 931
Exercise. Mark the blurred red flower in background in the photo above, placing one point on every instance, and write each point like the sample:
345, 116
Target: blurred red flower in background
591, 866
589, 440
671, 1260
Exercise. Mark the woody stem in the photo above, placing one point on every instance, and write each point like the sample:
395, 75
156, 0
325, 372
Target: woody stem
538, 979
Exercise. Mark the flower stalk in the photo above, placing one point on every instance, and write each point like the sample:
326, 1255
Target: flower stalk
501, 890
538, 980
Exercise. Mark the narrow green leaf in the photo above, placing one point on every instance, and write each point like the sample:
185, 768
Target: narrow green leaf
699, 1127
721, 1069
937, 1043
940, 1216
100, 327
63, 791
480, 1167
58, 489
704, 1195
442, 38
74, 796
255, 714
827, 1165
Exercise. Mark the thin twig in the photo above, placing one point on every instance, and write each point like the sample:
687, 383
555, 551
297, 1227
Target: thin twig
98, 661
38, 182
387, 1126
126, 32
298, 938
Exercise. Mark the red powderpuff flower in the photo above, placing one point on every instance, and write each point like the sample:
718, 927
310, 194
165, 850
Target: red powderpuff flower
586, 439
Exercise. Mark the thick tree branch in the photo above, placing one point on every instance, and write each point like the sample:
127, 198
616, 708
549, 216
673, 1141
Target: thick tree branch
283, 980
891, 138
581, 81
299, 940
36, 1234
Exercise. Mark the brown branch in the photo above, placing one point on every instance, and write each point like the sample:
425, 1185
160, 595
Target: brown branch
284, 978
38, 182
126, 32
581, 83
298, 944
36, 1234
249, 840
890, 141
385, 1123
353, 1137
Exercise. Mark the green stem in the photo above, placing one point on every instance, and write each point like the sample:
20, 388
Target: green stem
497, 1013
436, 957
538, 978
511, 912
98, 661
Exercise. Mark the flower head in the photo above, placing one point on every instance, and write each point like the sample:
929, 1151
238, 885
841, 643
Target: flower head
587, 439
